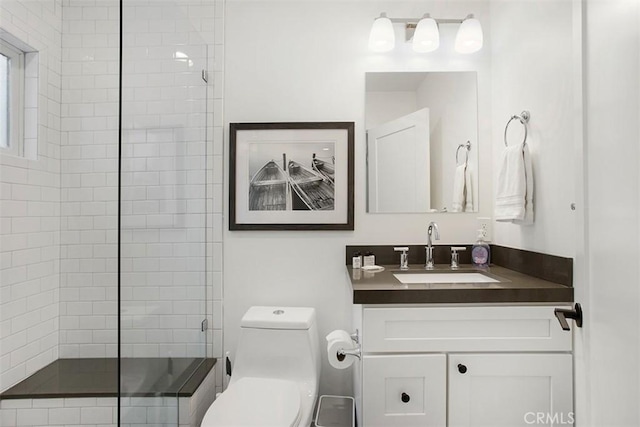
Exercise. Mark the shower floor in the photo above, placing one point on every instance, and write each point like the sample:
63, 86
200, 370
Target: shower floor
98, 377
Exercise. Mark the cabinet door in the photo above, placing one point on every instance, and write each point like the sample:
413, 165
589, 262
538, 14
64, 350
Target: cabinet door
404, 390
510, 390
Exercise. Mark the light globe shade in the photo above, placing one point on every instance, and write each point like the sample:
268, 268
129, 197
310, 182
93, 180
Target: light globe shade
426, 38
469, 36
382, 37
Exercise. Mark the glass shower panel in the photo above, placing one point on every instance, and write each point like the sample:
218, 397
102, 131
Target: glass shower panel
163, 206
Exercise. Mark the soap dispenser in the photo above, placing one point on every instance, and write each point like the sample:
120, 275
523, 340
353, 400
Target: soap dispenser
481, 252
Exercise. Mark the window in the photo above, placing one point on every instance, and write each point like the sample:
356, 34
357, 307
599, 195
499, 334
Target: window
11, 98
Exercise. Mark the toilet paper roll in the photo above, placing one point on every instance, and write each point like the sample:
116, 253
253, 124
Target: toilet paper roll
336, 341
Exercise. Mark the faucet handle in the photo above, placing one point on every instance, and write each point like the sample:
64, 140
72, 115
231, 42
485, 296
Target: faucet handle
455, 257
404, 257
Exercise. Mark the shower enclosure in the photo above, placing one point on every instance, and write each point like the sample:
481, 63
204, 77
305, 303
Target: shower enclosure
164, 160
128, 231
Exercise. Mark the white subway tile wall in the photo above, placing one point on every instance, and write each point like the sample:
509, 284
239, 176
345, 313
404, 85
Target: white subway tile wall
91, 412
30, 202
89, 207
58, 217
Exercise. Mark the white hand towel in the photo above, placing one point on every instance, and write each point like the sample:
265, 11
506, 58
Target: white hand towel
458, 200
528, 201
512, 185
468, 189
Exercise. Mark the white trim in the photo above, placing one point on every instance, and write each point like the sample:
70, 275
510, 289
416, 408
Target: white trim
15, 111
581, 354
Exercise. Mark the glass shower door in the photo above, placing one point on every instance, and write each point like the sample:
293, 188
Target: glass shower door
163, 221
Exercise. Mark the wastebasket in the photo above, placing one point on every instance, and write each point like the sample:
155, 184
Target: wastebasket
335, 411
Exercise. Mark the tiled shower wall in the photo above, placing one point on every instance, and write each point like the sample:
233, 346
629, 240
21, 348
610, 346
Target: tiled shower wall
30, 205
88, 266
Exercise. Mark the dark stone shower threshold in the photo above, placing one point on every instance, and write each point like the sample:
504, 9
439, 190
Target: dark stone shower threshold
98, 377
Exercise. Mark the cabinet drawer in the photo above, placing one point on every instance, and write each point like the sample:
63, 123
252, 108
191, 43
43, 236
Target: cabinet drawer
420, 329
404, 390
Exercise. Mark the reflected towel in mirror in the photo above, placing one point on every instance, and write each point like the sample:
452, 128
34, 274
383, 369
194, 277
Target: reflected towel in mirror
462, 200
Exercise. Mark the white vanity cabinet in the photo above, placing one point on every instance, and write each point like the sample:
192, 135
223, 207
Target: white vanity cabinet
439, 365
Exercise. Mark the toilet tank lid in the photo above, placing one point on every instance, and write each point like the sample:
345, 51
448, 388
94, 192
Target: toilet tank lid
279, 318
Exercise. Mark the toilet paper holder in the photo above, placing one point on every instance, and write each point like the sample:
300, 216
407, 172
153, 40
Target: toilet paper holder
356, 336
342, 353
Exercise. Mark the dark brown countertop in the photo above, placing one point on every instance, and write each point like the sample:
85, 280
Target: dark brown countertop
513, 287
141, 377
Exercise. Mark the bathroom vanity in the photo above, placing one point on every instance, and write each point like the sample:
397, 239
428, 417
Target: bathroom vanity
469, 353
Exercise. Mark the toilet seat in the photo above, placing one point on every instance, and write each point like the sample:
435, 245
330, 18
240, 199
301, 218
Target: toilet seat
253, 402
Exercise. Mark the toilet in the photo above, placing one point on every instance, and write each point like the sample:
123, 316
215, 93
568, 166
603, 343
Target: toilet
275, 374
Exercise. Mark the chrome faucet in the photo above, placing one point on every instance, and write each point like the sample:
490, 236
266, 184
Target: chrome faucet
430, 230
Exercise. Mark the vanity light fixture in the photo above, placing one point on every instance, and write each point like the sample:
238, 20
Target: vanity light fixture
382, 37
426, 37
469, 36
424, 33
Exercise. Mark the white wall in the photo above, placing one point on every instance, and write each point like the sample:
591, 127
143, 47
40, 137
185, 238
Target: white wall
533, 69
306, 61
453, 105
30, 207
382, 107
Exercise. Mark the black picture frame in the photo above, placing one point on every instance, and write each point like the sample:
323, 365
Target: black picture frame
299, 192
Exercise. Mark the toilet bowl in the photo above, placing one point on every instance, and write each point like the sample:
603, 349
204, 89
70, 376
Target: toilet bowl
256, 402
276, 371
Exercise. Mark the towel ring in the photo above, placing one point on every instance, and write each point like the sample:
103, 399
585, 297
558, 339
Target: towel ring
466, 145
524, 119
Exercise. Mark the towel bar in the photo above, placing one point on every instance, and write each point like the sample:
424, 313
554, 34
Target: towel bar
466, 145
524, 119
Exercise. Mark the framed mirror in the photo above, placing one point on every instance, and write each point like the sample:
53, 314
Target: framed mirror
422, 141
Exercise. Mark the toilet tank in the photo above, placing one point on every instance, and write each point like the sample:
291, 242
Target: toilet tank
278, 342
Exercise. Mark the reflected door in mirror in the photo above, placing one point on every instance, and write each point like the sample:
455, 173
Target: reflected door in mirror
398, 164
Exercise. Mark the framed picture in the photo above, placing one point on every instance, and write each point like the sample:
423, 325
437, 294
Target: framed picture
291, 176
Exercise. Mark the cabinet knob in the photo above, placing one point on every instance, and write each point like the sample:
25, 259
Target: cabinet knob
405, 397
462, 369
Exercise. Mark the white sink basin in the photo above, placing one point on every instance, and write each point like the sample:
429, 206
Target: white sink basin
444, 278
